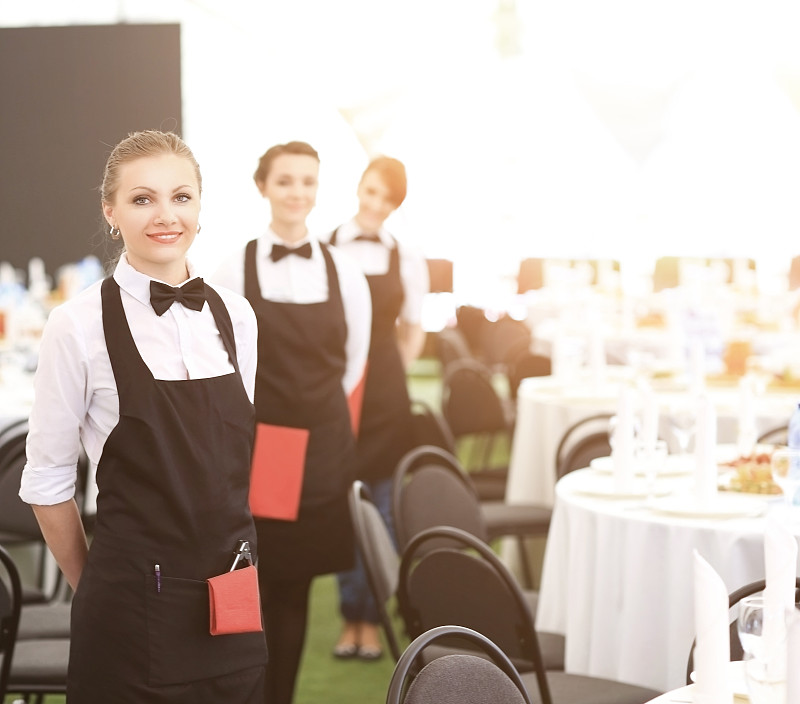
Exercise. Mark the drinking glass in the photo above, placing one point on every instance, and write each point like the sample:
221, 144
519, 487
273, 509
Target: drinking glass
785, 465
766, 681
650, 460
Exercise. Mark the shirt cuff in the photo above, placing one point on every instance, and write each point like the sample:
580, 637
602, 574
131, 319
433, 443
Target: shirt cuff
46, 486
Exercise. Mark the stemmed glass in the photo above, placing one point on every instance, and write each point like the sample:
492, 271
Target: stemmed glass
785, 465
765, 676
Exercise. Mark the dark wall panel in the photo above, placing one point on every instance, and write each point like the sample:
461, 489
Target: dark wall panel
67, 95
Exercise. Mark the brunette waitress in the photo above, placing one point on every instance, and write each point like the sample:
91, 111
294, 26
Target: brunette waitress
313, 309
398, 282
159, 392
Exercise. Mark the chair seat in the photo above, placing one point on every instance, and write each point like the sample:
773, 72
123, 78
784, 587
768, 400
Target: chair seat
39, 666
515, 519
577, 689
45, 621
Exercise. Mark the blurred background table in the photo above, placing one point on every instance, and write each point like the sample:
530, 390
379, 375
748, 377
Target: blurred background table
617, 578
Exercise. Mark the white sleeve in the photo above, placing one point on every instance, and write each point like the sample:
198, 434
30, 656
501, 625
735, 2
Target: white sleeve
230, 273
357, 303
416, 283
62, 387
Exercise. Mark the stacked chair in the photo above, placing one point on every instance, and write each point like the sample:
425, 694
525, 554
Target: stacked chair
41, 632
456, 678
449, 577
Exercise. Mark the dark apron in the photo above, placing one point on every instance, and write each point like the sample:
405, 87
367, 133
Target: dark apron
173, 486
385, 432
301, 363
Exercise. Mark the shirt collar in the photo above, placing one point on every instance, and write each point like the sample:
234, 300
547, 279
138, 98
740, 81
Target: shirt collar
350, 230
271, 238
136, 283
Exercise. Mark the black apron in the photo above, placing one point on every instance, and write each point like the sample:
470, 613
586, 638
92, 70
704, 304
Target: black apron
385, 433
301, 363
173, 485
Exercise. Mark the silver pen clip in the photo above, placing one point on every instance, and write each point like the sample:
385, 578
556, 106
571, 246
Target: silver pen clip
242, 553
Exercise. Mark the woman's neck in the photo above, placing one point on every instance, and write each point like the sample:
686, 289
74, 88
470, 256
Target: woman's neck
289, 232
367, 228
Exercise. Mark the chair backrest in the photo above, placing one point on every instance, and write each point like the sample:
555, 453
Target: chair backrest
523, 364
456, 678
466, 584
774, 436
583, 452
429, 489
429, 427
379, 556
451, 346
10, 605
17, 520
470, 402
596, 423
737, 652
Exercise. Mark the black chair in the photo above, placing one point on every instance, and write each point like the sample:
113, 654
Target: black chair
34, 667
774, 436
430, 489
449, 577
379, 557
430, 427
456, 678
10, 606
451, 346
523, 364
581, 442
479, 419
737, 652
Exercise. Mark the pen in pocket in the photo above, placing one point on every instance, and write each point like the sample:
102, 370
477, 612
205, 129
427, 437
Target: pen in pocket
158, 578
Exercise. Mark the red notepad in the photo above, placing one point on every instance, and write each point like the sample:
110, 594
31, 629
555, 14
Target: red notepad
234, 605
276, 479
354, 402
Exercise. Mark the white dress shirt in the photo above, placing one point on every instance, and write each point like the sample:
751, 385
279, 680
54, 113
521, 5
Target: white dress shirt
294, 279
374, 261
76, 398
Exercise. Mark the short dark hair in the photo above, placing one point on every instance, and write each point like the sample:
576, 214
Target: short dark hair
265, 162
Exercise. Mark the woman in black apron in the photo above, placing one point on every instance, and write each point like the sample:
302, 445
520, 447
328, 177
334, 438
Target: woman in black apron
156, 372
397, 281
313, 313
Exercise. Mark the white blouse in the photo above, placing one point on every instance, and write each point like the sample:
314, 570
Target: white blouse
294, 279
76, 400
375, 261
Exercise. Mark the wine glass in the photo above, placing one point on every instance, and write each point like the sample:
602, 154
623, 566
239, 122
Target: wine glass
785, 465
764, 672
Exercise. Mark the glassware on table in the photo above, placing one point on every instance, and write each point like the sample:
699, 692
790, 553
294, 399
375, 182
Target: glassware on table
650, 458
785, 465
766, 680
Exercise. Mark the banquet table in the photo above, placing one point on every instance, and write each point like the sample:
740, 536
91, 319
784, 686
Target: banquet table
548, 405
617, 574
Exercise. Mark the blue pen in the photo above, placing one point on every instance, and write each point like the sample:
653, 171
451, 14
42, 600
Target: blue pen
158, 578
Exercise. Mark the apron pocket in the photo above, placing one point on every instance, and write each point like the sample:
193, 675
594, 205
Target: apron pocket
181, 649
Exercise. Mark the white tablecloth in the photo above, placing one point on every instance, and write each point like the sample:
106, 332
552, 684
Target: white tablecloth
546, 407
617, 581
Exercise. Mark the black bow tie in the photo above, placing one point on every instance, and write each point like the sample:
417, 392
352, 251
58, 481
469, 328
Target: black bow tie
192, 294
279, 251
368, 238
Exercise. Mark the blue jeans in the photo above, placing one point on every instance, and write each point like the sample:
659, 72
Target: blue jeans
355, 597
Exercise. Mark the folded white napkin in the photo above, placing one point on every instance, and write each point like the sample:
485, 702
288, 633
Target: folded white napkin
706, 472
697, 367
712, 648
649, 432
780, 562
747, 432
623, 440
793, 656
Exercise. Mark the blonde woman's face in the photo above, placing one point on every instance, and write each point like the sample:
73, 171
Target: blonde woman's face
156, 208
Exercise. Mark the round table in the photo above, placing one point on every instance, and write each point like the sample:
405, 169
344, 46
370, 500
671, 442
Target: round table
547, 406
617, 579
